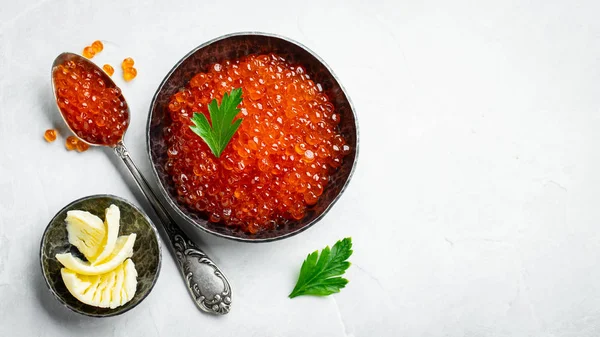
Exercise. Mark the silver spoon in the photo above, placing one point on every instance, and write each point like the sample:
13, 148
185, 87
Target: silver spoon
206, 283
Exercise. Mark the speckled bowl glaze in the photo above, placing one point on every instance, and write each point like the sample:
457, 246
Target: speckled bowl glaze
231, 47
146, 251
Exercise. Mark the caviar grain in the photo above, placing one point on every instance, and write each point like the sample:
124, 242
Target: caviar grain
129, 73
108, 69
50, 135
88, 52
71, 143
97, 46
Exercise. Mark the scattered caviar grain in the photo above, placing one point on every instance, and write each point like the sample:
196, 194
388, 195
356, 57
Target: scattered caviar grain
71, 143
97, 46
88, 52
276, 165
82, 146
127, 63
108, 69
95, 111
129, 73
50, 135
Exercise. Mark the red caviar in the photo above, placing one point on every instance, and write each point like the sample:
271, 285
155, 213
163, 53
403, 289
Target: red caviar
97, 46
96, 112
129, 72
127, 63
88, 52
278, 162
82, 146
50, 135
71, 143
108, 69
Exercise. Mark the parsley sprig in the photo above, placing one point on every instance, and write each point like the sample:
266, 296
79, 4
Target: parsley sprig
222, 118
320, 275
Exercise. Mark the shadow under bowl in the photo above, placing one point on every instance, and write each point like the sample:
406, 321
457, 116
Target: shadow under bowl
146, 252
231, 47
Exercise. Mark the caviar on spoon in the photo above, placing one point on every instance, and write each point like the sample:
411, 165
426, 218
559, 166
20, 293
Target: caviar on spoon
95, 110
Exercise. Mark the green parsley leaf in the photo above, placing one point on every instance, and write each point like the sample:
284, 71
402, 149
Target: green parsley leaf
320, 275
223, 125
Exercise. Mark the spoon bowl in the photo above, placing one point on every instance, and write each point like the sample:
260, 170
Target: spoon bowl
66, 57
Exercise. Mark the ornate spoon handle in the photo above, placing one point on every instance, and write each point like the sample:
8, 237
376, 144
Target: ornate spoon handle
206, 283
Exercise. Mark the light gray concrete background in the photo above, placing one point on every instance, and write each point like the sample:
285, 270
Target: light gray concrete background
474, 207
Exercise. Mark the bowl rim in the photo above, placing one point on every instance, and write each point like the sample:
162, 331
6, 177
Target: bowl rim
162, 189
97, 196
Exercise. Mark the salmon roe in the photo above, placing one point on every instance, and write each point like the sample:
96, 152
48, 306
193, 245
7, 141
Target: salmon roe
88, 52
95, 111
129, 73
97, 46
127, 63
71, 143
50, 135
91, 51
108, 69
82, 146
279, 161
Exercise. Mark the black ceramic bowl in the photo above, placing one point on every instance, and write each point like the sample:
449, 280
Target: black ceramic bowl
146, 252
231, 47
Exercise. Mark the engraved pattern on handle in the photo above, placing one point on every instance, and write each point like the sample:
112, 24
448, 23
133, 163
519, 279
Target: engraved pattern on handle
192, 260
206, 283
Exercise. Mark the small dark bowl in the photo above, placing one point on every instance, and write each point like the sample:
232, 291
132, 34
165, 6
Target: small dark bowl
231, 47
146, 252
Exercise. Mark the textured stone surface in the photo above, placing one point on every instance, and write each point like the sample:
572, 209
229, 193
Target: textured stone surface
473, 208
230, 48
146, 252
